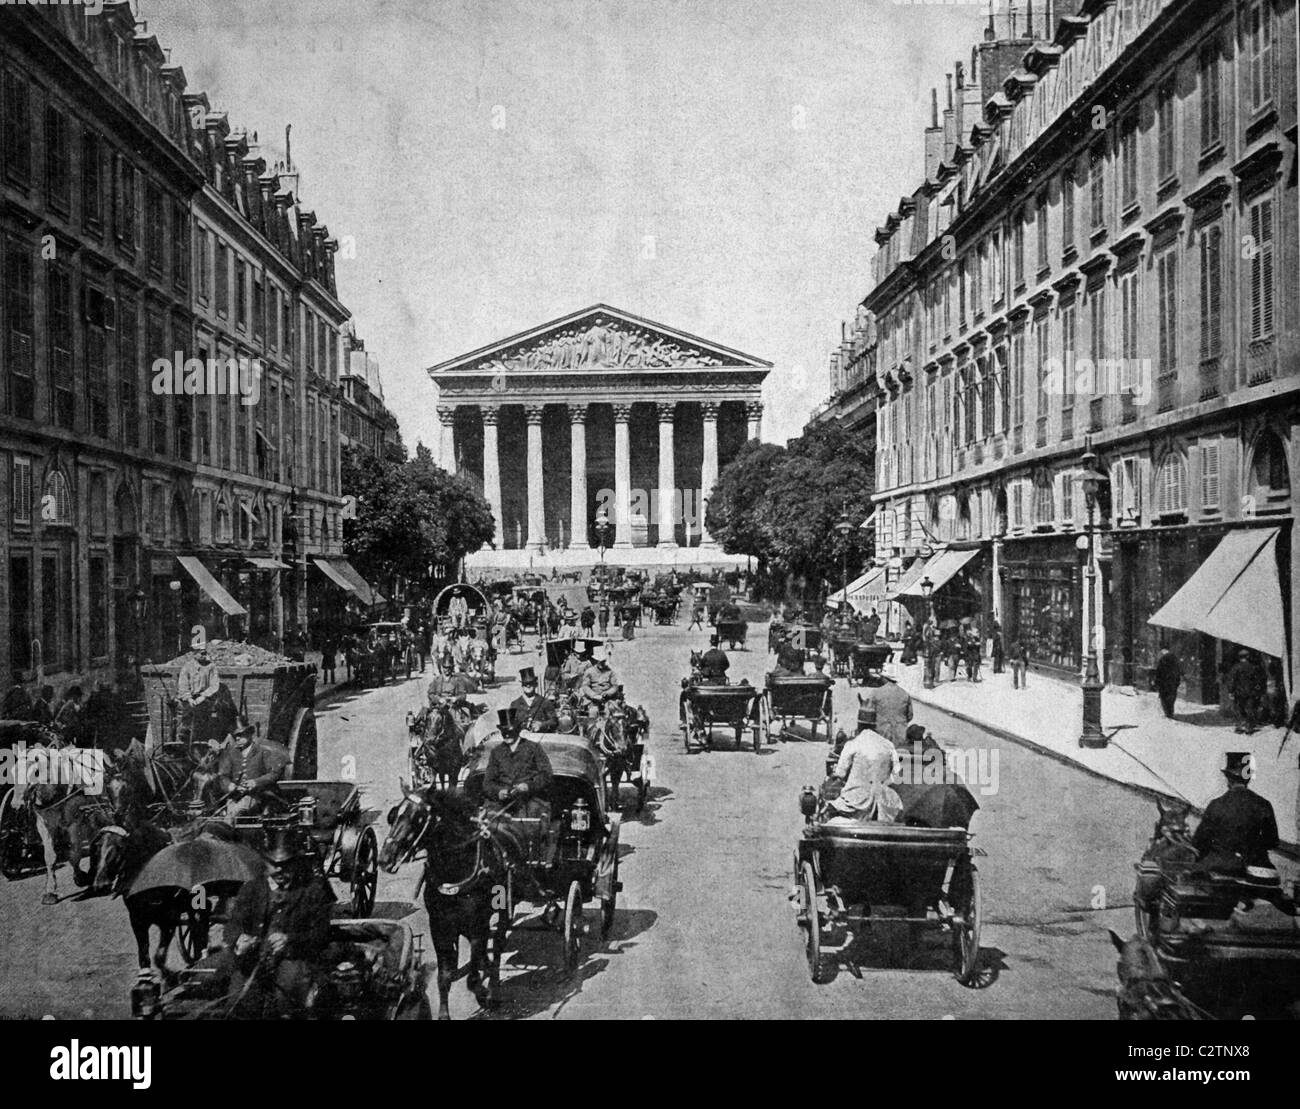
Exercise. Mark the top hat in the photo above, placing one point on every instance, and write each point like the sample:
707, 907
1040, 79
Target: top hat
1239, 765
505, 722
713, 641
528, 676
598, 653
244, 726
283, 842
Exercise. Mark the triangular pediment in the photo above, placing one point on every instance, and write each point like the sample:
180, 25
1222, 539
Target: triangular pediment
599, 338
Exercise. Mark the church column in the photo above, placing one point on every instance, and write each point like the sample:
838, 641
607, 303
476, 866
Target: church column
754, 419
622, 478
668, 499
578, 476
536, 487
447, 448
709, 468
492, 471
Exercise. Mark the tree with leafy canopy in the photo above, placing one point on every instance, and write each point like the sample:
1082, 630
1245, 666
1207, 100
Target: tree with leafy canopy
410, 515
781, 505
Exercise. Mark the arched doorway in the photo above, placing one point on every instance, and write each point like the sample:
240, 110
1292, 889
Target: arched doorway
1268, 489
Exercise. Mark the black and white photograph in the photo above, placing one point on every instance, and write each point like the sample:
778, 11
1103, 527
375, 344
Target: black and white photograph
650, 510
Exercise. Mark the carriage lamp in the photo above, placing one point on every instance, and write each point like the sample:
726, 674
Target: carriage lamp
1091, 734
307, 812
580, 816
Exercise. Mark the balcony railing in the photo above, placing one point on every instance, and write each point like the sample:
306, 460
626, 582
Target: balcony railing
1211, 378
1167, 391
1261, 361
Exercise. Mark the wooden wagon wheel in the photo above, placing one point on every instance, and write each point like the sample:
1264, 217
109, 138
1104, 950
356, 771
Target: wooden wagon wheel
574, 926
810, 920
192, 933
365, 874
607, 905
302, 744
966, 938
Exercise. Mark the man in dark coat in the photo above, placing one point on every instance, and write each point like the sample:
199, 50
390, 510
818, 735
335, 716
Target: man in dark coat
531, 712
250, 770
1238, 828
1168, 677
997, 648
789, 657
517, 771
1247, 684
714, 664
278, 929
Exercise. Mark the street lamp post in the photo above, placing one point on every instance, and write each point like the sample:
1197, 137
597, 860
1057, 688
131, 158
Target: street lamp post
844, 527
927, 591
1092, 734
175, 587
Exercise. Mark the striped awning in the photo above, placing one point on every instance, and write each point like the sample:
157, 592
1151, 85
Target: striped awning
941, 569
911, 576
213, 588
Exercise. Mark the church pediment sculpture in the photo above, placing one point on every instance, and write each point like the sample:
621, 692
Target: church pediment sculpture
601, 345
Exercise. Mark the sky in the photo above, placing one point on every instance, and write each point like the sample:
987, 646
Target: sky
716, 165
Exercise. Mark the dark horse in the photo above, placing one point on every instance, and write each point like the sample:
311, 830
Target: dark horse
612, 734
466, 859
437, 745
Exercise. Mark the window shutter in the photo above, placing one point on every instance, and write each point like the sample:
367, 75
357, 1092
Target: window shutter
22, 491
1210, 475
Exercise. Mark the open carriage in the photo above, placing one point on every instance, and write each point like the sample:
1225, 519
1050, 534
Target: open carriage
851, 876
371, 970
571, 857
742, 708
790, 698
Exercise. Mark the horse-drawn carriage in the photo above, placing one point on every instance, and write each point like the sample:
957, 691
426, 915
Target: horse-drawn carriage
1230, 942
851, 876
569, 858
868, 659
338, 832
277, 698
787, 698
732, 632
742, 708
370, 970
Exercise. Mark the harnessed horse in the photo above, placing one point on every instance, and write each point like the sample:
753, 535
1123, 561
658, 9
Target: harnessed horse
467, 855
437, 739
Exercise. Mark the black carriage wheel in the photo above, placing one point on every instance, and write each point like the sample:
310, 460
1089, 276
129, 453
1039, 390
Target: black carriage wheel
192, 933
811, 922
573, 927
966, 938
608, 904
302, 744
365, 874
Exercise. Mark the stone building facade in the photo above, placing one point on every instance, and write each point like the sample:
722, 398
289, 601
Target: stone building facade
136, 226
599, 412
1099, 258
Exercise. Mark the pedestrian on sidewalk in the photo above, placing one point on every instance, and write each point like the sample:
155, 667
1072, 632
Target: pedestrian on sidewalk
954, 654
973, 653
930, 638
1168, 677
997, 648
1246, 683
1019, 663
328, 661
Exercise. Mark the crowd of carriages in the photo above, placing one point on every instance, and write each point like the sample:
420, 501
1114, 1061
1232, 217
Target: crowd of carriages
102, 719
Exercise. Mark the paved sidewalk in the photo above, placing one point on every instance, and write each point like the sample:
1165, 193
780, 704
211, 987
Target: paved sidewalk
1180, 757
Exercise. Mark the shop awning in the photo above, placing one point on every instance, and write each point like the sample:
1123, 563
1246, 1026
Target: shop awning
335, 576
1234, 595
941, 570
911, 576
268, 563
357, 585
211, 586
860, 590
